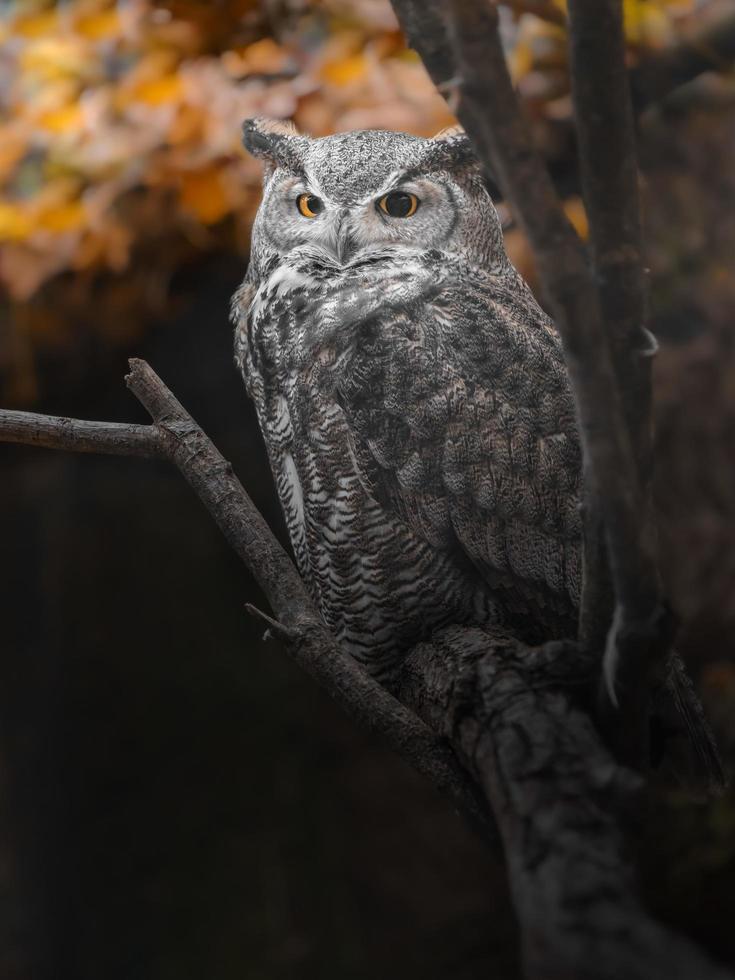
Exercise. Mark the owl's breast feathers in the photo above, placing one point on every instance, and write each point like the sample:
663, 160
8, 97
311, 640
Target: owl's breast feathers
454, 411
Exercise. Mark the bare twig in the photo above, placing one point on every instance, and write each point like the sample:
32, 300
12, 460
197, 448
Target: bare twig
175, 436
558, 796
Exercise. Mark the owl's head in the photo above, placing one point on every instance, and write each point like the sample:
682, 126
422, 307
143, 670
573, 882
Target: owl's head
353, 196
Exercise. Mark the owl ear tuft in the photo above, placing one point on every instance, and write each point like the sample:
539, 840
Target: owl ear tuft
276, 141
453, 145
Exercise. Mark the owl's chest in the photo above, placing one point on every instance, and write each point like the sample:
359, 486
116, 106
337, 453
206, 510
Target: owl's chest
294, 332
379, 587
309, 322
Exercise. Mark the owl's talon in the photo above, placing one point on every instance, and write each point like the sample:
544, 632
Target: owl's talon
275, 629
610, 660
652, 345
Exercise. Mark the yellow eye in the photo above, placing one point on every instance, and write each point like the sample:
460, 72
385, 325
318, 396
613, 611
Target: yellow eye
399, 204
309, 205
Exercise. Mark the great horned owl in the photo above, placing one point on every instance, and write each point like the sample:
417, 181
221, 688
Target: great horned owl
411, 393
415, 406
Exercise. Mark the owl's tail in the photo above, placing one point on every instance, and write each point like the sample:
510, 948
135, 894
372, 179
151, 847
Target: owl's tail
681, 738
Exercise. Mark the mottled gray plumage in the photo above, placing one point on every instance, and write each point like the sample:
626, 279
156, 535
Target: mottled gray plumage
411, 393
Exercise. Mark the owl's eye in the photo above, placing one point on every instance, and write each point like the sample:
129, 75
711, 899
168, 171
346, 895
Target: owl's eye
309, 205
399, 204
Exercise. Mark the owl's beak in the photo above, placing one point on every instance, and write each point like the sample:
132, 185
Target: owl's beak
345, 244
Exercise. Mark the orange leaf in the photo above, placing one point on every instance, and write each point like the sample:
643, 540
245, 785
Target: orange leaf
159, 91
64, 120
264, 56
345, 70
15, 222
99, 26
203, 193
37, 26
65, 217
577, 215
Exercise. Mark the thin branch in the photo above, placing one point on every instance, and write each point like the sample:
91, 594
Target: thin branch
54, 432
607, 158
608, 167
509, 711
176, 437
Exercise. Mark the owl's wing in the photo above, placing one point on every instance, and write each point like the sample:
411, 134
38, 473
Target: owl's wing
463, 423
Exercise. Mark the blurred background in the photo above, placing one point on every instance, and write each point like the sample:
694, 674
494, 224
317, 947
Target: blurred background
178, 801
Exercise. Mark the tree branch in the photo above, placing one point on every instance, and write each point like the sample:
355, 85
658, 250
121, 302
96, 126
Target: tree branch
609, 173
54, 432
558, 796
175, 437
607, 157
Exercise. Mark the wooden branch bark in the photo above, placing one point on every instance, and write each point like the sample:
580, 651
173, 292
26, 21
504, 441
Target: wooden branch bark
558, 796
607, 159
609, 174
176, 437
54, 432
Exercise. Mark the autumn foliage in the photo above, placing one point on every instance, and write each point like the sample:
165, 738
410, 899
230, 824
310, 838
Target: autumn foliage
120, 124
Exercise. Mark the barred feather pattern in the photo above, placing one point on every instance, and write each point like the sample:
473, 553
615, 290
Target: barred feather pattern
422, 436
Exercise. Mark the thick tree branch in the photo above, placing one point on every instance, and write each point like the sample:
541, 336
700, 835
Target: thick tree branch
175, 437
558, 797
609, 173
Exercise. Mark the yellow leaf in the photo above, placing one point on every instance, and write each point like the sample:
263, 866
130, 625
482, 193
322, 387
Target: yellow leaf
203, 193
99, 26
345, 70
65, 217
159, 91
63, 120
577, 215
15, 222
650, 22
521, 60
38, 26
55, 58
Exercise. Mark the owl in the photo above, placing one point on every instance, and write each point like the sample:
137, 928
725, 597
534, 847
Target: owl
416, 409
411, 393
